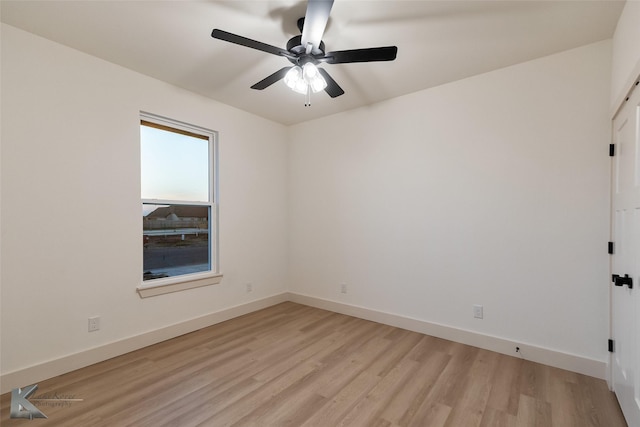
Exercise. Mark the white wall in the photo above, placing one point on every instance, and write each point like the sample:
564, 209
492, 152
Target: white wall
626, 53
492, 190
71, 214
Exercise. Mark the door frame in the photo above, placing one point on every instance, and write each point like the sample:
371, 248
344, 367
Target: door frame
621, 101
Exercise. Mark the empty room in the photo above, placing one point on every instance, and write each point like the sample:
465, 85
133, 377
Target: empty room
320, 213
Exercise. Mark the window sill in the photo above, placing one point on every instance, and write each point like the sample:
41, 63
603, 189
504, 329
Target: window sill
175, 284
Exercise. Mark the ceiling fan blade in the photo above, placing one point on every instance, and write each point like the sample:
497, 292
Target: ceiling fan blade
268, 81
315, 21
387, 53
243, 41
333, 89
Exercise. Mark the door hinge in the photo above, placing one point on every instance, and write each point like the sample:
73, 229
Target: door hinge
611, 348
610, 248
622, 281
612, 150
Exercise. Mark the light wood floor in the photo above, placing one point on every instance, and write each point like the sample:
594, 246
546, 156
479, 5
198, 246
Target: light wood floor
295, 365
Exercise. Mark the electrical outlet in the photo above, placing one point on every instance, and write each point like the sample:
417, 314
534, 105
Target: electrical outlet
478, 311
343, 288
249, 287
94, 323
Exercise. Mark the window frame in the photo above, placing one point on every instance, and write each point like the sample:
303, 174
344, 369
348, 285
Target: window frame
193, 280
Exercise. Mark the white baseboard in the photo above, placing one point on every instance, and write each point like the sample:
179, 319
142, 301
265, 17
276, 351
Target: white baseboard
570, 362
52, 368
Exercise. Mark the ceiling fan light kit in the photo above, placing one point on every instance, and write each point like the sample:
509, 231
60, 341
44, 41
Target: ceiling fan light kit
306, 51
305, 80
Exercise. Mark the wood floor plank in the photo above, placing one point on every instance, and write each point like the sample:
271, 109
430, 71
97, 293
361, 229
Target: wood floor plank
453, 381
345, 399
294, 365
432, 414
505, 392
603, 406
341, 371
469, 407
533, 412
368, 408
401, 346
495, 418
406, 404
230, 414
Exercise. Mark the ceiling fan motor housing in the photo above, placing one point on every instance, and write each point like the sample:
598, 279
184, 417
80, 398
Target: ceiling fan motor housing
294, 45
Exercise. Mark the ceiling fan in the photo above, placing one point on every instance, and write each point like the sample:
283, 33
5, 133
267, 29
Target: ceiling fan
306, 51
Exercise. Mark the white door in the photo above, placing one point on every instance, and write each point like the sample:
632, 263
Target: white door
625, 292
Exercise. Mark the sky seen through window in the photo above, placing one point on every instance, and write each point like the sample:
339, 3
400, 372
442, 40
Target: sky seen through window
175, 167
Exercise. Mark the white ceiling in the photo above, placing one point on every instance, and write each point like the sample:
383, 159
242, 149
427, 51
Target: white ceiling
438, 42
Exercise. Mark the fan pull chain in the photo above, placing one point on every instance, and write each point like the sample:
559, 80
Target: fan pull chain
308, 97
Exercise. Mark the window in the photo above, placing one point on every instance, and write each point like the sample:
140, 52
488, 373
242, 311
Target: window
179, 209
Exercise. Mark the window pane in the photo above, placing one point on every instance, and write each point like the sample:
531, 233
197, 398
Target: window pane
176, 240
174, 166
